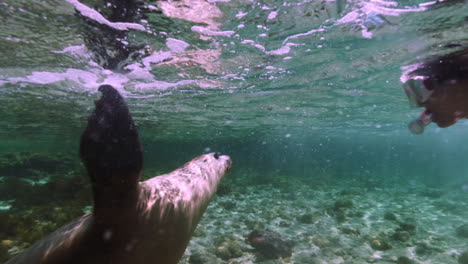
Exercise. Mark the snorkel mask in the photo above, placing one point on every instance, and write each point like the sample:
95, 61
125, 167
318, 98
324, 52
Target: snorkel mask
418, 89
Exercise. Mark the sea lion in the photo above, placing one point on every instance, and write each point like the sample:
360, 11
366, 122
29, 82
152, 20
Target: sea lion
131, 221
440, 85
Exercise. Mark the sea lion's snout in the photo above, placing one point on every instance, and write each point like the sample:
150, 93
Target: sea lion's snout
221, 163
226, 160
223, 160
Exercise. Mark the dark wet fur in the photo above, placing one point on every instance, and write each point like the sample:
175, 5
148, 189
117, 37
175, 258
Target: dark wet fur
111, 151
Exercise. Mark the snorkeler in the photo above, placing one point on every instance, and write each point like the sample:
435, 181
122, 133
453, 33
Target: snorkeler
440, 86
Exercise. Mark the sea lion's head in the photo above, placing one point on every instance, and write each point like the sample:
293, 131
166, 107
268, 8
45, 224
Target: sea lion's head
440, 86
209, 164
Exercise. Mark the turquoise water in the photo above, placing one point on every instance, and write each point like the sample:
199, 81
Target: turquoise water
302, 92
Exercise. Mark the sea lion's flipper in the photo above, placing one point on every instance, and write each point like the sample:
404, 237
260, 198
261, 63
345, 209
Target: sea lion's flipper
110, 147
110, 141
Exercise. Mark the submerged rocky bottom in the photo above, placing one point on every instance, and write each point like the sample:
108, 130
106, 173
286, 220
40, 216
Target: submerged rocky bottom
285, 219
339, 222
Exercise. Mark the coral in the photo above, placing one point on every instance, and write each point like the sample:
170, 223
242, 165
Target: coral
340, 216
462, 231
199, 231
270, 244
21, 230
307, 218
228, 205
358, 214
283, 223
341, 210
404, 260
380, 244
426, 249
342, 204
253, 224
224, 189
321, 242
350, 230
27, 164
4, 222
401, 236
3, 253
228, 248
390, 216
352, 191
432, 193
22, 171
463, 258
408, 227
198, 257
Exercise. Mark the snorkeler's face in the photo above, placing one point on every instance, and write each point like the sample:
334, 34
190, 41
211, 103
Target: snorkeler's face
448, 102
440, 85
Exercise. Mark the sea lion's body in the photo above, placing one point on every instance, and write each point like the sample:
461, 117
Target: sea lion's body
141, 223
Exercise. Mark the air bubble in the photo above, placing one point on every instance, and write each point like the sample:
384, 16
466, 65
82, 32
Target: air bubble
107, 235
